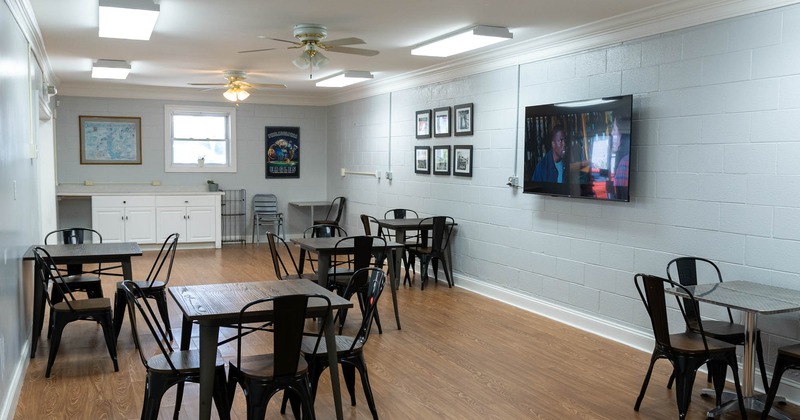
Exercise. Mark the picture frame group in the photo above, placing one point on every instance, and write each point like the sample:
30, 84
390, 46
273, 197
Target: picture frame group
442, 160
445, 121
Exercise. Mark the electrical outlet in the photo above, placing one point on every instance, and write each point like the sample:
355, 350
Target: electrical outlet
389, 175
513, 181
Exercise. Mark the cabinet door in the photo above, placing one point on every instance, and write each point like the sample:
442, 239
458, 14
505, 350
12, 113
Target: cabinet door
201, 224
170, 220
140, 225
110, 222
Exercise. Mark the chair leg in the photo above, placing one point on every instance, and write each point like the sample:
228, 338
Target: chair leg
179, 399
734, 364
257, 399
111, 341
761, 366
155, 387
220, 394
362, 370
58, 328
684, 381
777, 373
161, 300
349, 374
653, 359
120, 303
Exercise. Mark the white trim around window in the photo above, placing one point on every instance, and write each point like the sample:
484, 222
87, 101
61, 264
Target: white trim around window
221, 141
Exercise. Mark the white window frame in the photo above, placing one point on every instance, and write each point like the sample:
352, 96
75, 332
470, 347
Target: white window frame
170, 110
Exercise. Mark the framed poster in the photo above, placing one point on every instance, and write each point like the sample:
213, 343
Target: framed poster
422, 159
282, 146
441, 122
423, 124
110, 140
441, 160
463, 120
462, 160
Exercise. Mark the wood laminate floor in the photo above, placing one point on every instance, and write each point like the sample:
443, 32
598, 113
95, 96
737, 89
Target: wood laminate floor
458, 356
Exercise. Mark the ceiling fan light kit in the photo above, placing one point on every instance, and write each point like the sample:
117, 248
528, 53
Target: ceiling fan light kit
345, 79
110, 69
236, 94
127, 19
462, 41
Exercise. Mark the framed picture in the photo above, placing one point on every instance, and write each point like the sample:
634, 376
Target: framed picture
441, 122
424, 124
462, 160
110, 140
441, 160
463, 120
282, 146
422, 159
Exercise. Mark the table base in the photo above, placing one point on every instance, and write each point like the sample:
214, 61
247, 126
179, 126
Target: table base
755, 404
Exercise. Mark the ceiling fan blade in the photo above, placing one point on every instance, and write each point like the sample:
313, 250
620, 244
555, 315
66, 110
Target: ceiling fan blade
356, 51
208, 84
258, 50
284, 40
210, 89
345, 41
268, 85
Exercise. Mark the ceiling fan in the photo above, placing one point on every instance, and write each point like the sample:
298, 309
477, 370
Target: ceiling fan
310, 38
237, 87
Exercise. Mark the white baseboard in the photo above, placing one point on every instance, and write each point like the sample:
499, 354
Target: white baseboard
639, 340
8, 406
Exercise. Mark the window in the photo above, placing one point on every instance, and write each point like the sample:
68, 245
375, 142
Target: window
200, 139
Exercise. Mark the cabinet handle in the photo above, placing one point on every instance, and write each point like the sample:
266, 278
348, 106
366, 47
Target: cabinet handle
126, 217
124, 202
186, 201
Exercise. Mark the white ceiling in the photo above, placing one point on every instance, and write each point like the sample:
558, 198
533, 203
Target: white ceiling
197, 40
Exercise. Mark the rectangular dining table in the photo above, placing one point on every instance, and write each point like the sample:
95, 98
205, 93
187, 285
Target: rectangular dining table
325, 248
401, 226
75, 254
215, 305
753, 299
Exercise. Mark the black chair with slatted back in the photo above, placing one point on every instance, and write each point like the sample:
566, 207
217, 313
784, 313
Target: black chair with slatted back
788, 358
341, 272
262, 375
154, 287
322, 231
78, 279
166, 366
334, 214
278, 246
409, 240
71, 309
367, 221
686, 351
432, 249
685, 271
349, 349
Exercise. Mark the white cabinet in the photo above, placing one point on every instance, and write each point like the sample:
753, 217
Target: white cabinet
192, 216
125, 218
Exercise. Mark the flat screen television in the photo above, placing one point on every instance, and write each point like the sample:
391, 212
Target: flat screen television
579, 149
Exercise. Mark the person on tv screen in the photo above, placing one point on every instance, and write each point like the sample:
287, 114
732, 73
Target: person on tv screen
621, 145
551, 167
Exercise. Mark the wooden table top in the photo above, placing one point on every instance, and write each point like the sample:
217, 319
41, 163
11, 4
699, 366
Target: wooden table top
406, 223
90, 251
329, 244
222, 301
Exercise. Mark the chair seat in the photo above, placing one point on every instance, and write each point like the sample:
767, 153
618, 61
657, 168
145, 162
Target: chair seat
326, 222
693, 343
145, 285
262, 366
78, 279
186, 361
343, 344
84, 305
792, 351
722, 330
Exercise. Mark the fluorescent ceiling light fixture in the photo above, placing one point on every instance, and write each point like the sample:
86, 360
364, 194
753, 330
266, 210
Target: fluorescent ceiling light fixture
235, 94
464, 40
345, 79
128, 19
110, 69
585, 103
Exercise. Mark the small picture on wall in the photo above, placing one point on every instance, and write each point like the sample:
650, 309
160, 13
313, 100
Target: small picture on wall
463, 120
424, 124
422, 158
462, 160
441, 160
441, 121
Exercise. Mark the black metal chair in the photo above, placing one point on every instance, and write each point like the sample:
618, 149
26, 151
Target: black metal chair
685, 271
76, 275
432, 249
344, 266
686, 351
71, 309
167, 367
261, 376
155, 286
788, 358
334, 214
370, 282
411, 236
276, 243
322, 231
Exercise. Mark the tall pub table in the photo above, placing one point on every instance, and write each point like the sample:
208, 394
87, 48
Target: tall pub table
401, 226
91, 253
325, 248
752, 299
214, 305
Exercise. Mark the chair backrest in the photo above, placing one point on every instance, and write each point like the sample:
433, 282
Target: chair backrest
440, 232
276, 243
289, 316
338, 204
370, 281
74, 236
265, 204
362, 251
48, 272
137, 302
400, 214
367, 221
651, 290
685, 271
165, 257
324, 231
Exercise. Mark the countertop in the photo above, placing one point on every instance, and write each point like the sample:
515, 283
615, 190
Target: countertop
76, 190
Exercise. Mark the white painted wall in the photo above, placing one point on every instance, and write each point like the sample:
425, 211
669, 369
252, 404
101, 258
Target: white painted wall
714, 159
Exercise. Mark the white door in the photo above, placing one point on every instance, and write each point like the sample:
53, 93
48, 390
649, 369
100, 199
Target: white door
170, 220
201, 226
140, 225
110, 222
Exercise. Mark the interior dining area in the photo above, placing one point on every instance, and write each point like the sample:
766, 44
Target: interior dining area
590, 215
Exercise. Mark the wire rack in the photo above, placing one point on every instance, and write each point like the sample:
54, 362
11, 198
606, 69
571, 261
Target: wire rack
234, 212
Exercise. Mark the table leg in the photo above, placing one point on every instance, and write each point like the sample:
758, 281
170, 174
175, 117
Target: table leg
127, 271
323, 264
186, 333
302, 263
208, 359
333, 365
394, 279
38, 309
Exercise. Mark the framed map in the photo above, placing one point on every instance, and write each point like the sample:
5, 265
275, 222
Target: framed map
110, 140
